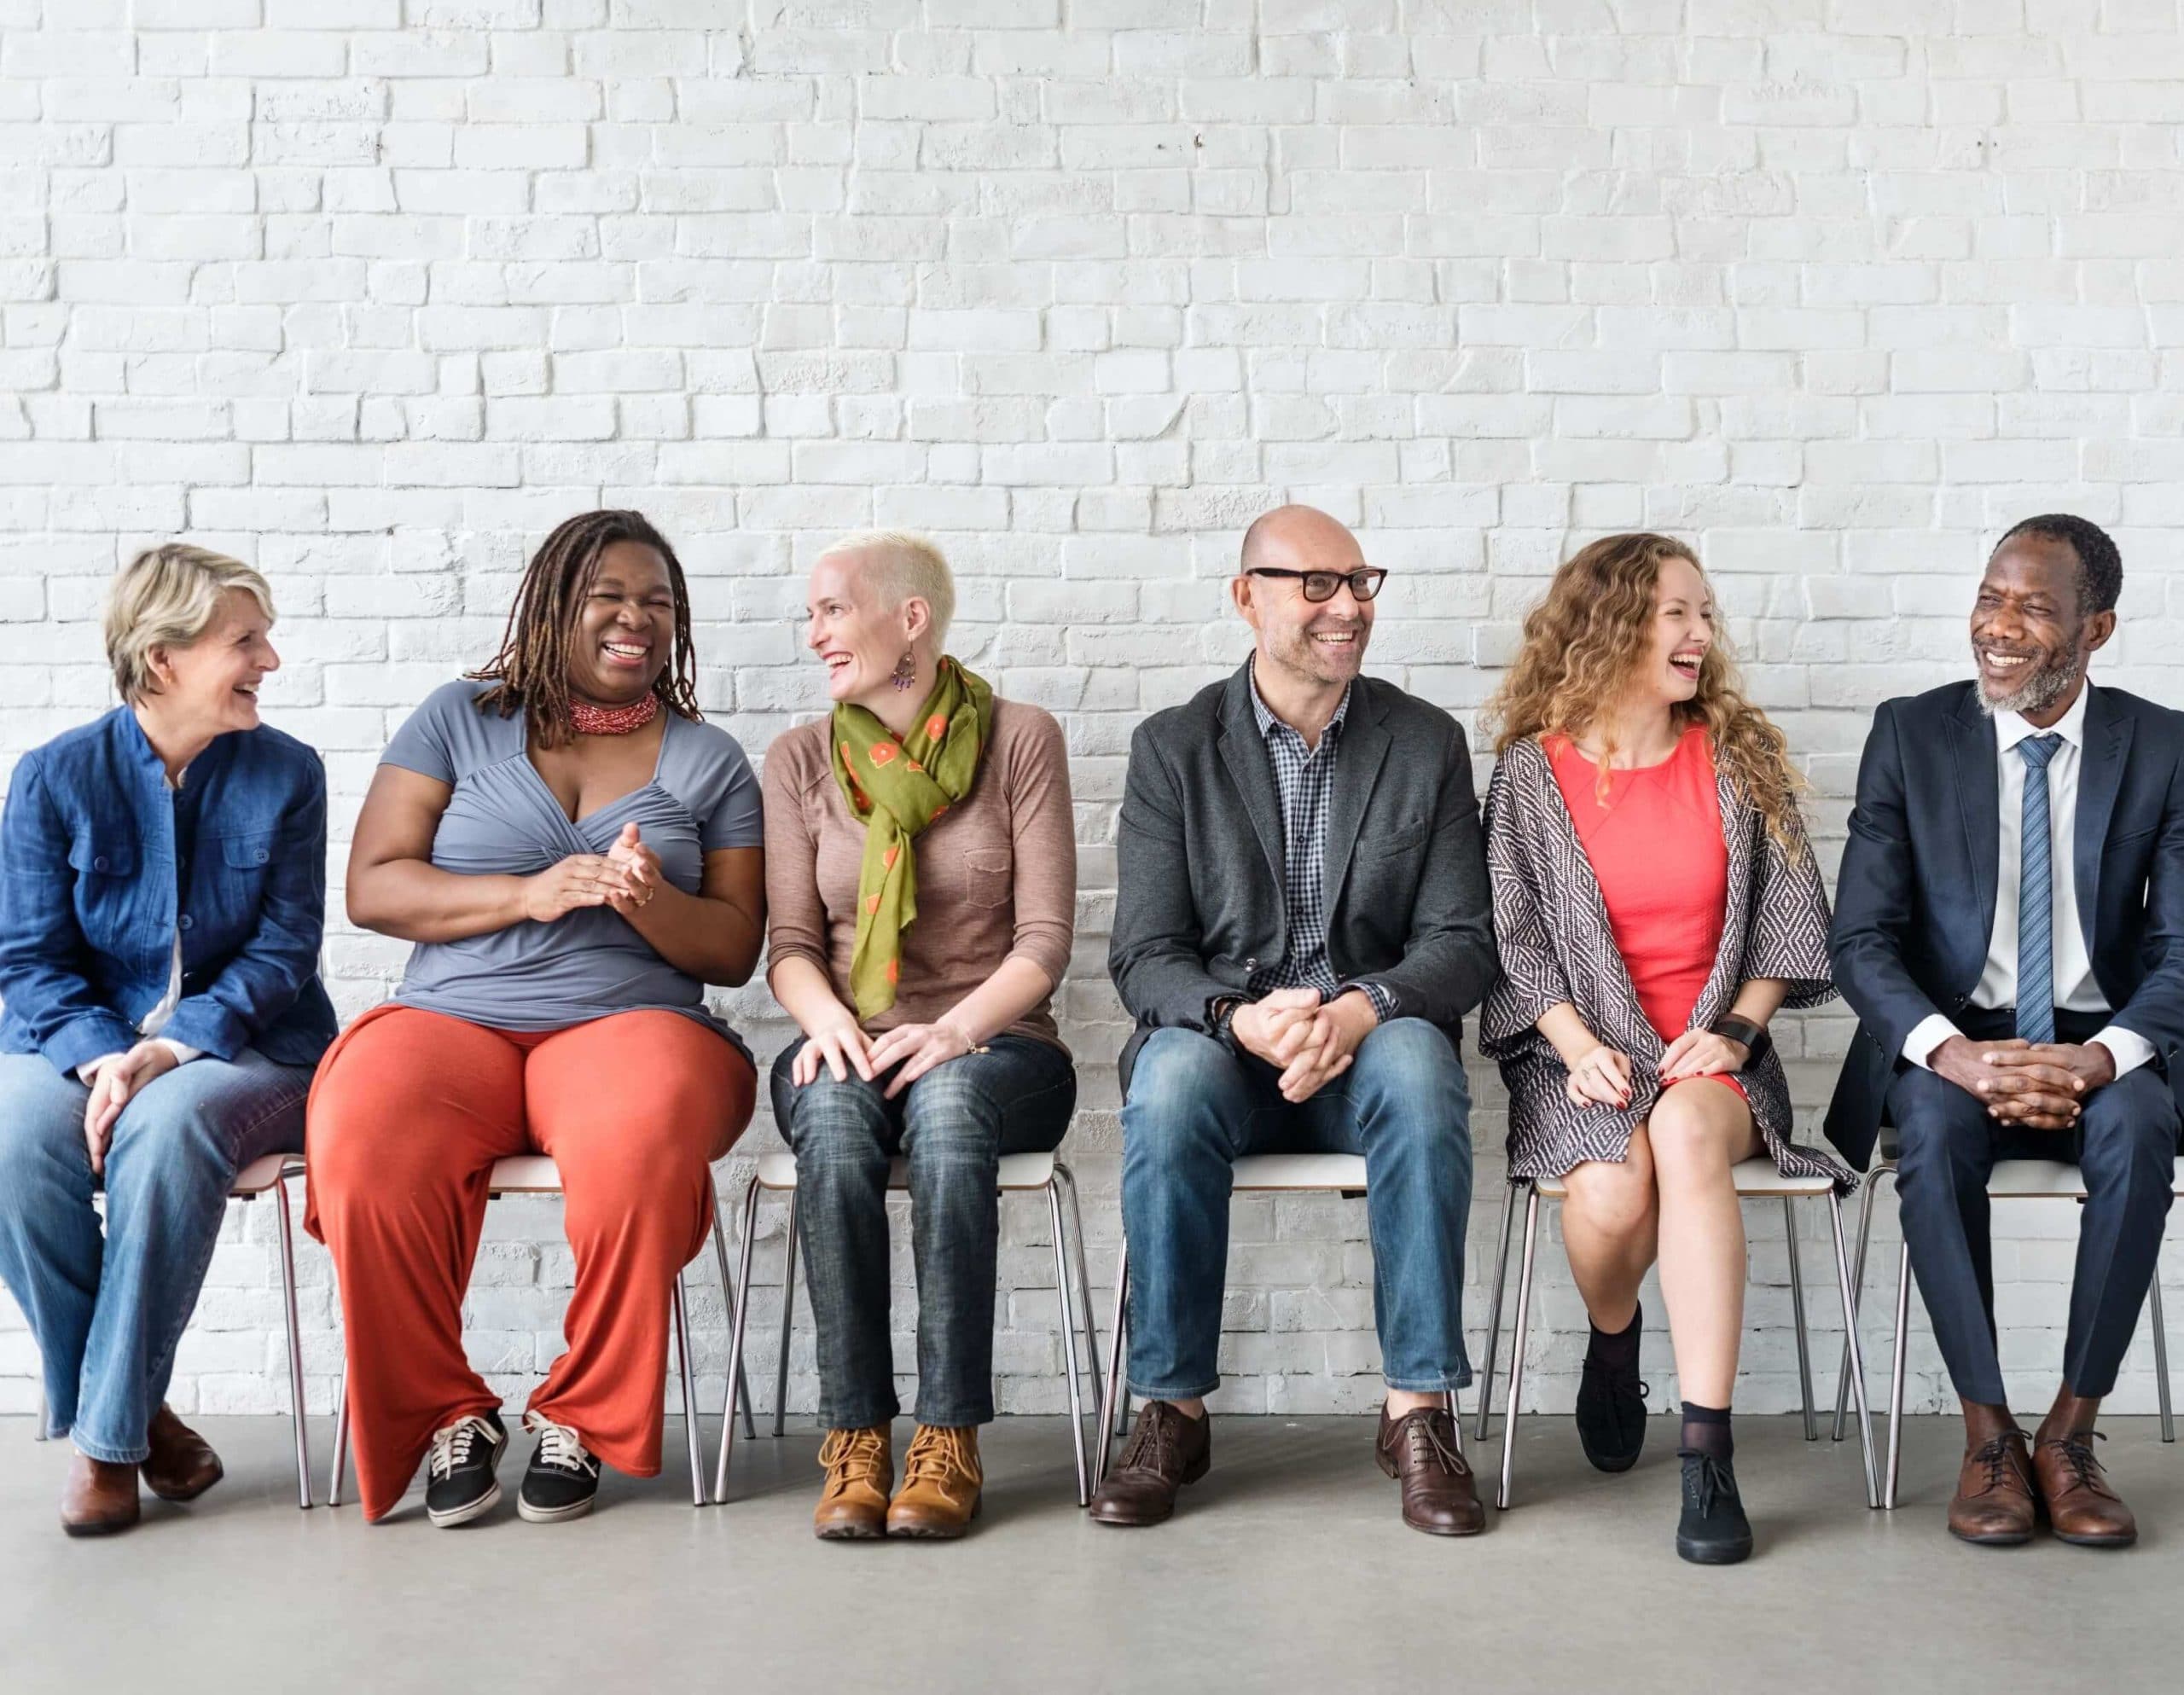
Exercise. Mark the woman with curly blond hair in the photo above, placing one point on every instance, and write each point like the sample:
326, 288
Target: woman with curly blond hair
1656, 902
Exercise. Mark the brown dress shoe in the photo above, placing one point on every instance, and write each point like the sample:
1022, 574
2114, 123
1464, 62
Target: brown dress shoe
2081, 1506
181, 1465
1993, 1505
1166, 1449
98, 1499
942, 1480
860, 1470
1422, 1450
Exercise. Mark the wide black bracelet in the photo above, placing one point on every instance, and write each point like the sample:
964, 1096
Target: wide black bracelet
1753, 1035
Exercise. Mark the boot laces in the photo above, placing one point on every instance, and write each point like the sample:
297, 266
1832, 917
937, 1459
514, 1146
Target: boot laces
2077, 1453
1422, 1432
852, 1456
451, 1444
1998, 1458
938, 1455
1148, 1441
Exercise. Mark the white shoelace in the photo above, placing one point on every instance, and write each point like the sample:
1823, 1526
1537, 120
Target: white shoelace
451, 1445
558, 1446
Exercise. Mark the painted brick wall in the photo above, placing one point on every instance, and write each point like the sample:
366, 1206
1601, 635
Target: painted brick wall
372, 291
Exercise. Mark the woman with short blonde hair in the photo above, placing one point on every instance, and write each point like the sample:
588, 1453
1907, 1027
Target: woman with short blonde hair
1656, 902
162, 896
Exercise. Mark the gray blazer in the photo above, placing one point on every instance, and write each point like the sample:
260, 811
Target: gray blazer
1199, 902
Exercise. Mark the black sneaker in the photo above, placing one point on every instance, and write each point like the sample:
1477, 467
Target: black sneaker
1611, 1409
563, 1479
1713, 1531
460, 1484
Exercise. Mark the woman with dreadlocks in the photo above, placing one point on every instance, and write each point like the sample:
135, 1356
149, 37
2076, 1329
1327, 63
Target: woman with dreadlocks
575, 856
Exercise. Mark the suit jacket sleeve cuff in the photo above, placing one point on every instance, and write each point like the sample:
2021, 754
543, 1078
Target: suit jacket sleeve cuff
2127, 1047
1928, 1034
1382, 997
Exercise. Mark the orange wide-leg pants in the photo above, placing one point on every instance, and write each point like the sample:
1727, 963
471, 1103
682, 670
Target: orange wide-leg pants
410, 1111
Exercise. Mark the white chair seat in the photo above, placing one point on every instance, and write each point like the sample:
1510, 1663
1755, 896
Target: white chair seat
1301, 1171
261, 1174
1756, 1180
525, 1173
1017, 1171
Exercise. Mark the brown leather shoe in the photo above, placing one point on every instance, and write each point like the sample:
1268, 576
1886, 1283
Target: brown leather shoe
860, 1470
942, 1482
1166, 1449
98, 1499
1422, 1450
181, 1465
2081, 1506
1993, 1505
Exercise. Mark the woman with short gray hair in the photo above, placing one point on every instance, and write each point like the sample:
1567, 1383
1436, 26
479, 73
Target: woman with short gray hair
162, 897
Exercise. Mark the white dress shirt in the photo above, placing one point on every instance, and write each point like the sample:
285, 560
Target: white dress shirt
156, 1020
2076, 989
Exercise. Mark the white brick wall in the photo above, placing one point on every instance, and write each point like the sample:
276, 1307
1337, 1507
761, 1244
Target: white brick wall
372, 291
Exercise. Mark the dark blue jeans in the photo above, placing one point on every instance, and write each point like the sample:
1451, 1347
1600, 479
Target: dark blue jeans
1195, 1107
2125, 1145
952, 1125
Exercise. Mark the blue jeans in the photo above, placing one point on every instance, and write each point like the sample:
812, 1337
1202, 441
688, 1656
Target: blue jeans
1195, 1107
107, 1309
952, 1125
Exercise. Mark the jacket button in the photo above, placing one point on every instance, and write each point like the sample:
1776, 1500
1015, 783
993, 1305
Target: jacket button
1249, 965
262, 856
99, 864
184, 922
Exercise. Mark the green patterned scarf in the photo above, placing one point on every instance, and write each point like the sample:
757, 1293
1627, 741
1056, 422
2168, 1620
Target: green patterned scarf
897, 785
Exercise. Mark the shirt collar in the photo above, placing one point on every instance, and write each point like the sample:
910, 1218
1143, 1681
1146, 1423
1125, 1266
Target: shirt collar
2011, 728
1269, 724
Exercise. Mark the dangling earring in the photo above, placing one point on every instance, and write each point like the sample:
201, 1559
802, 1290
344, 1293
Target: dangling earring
905, 674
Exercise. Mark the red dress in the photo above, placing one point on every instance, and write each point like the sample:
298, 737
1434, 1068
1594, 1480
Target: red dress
1656, 852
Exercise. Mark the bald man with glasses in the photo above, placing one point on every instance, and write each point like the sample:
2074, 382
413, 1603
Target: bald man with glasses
1301, 923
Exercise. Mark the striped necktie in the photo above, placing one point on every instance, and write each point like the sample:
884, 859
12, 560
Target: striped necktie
2035, 898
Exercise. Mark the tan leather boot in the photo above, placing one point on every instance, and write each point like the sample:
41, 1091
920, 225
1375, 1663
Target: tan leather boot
99, 1498
181, 1465
860, 1470
942, 1480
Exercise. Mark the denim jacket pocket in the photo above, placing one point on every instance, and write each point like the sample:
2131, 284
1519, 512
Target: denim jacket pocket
103, 855
252, 851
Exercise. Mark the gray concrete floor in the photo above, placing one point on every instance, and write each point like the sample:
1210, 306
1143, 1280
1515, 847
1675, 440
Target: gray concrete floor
1286, 1569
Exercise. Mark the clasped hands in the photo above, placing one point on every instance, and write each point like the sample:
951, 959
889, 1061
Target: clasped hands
2041, 1086
1601, 1075
626, 877
1310, 1043
114, 1085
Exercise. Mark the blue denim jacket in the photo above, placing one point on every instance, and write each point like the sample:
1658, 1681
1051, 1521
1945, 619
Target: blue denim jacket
91, 897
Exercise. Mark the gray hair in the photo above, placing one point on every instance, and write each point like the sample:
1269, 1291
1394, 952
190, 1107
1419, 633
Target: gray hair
901, 566
167, 597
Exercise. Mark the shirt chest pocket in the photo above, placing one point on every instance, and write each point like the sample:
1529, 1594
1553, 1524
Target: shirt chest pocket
246, 855
96, 858
1405, 838
985, 877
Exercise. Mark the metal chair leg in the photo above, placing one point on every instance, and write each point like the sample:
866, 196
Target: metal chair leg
1516, 1348
295, 1341
1494, 1312
1069, 1344
1083, 1280
735, 1345
1798, 1304
727, 1295
340, 1437
691, 1436
1857, 1295
1850, 1334
2161, 1359
788, 1317
45, 1411
1117, 1346
1895, 1375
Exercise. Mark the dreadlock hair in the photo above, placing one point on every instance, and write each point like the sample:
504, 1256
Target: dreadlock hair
531, 673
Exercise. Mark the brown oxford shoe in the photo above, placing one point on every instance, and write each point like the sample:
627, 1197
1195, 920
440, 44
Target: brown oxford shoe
2082, 1508
942, 1482
98, 1499
1995, 1504
1422, 1451
181, 1465
860, 1469
1167, 1448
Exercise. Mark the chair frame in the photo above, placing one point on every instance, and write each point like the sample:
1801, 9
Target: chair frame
682, 1318
1751, 1187
1885, 1165
274, 1183
768, 1179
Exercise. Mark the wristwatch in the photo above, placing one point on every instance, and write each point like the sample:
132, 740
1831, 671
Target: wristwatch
1222, 1013
1749, 1031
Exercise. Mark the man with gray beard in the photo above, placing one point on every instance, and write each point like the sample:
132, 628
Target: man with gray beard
2009, 926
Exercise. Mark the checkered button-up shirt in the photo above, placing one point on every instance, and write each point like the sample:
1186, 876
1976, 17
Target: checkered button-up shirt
1304, 778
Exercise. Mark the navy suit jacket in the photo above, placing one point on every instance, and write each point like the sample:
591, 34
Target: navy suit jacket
1914, 906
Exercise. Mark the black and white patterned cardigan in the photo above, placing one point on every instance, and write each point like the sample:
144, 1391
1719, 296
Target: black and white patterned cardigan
1556, 945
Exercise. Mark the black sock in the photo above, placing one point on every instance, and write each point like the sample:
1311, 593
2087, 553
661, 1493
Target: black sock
1706, 1430
1617, 1350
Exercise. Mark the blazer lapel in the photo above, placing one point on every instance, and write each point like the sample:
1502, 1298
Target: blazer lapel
1364, 750
2101, 777
1245, 754
1979, 801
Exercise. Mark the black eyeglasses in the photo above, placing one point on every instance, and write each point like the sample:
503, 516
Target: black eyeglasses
1319, 586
